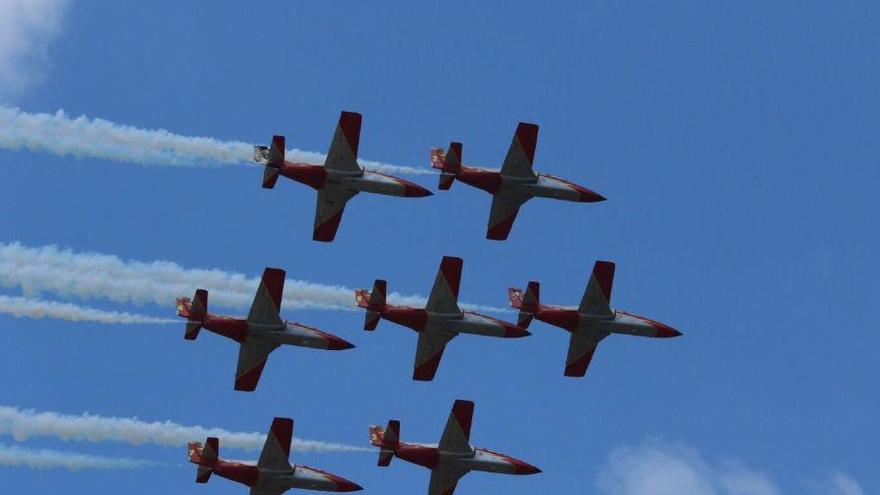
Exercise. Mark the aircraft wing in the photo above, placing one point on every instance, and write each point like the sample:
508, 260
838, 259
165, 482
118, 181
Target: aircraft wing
251, 359
267, 301
328, 213
457, 434
344, 147
276, 450
521, 153
581, 347
444, 480
429, 350
597, 297
444, 293
505, 206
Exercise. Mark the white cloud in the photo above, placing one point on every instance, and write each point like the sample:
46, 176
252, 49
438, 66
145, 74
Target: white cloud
659, 468
838, 483
27, 29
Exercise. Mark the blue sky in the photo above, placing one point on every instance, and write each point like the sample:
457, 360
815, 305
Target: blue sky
736, 145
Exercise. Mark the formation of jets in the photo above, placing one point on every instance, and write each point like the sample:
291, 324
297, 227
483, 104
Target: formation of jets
342, 178
263, 330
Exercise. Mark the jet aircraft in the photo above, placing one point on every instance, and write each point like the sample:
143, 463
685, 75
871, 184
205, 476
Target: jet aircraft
513, 185
452, 458
438, 323
260, 333
272, 474
338, 180
592, 321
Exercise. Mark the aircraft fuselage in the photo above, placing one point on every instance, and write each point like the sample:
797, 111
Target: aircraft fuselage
288, 333
303, 477
318, 177
420, 320
480, 460
543, 186
620, 322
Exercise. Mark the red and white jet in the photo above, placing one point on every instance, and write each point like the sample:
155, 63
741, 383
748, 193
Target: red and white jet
260, 333
591, 322
513, 185
338, 180
452, 458
272, 474
438, 322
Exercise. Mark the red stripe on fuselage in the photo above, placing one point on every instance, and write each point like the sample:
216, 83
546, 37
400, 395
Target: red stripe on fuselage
487, 180
233, 328
428, 457
311, 175
414, 318
243, 473
559, 317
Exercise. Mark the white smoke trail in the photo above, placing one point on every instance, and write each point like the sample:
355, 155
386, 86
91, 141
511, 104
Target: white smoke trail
96, 275
97, 138
24, 424
14, 456
22, 307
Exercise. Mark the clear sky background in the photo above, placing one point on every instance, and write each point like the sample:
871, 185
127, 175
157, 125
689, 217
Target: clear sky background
736, 144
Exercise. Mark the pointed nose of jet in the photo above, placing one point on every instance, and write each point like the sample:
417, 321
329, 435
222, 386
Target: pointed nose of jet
412, 190
344, 485
667, 332
521, 467
336, 344
664, 331
513, 331
588, 196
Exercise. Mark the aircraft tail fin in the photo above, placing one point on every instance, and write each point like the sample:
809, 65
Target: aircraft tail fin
195, 311
205, 456
373, 302
273, 158
527, 302
387, 439
449, 163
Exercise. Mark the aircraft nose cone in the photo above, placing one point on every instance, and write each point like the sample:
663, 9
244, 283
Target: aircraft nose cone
667, 332
514, 332
411, 190
664, 331
337, 344
588, 196
524, 468
343, 485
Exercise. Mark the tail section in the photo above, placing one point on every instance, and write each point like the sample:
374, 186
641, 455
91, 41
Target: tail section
274, 158
195, 311
206, 457
597, 297
388, 439
448, 162
526, 302
373, 302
